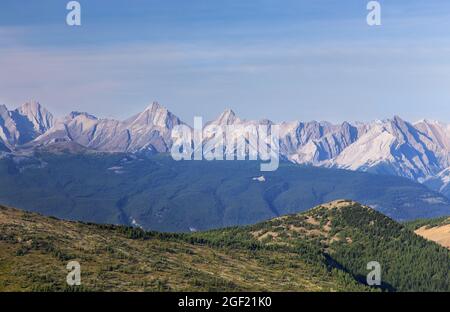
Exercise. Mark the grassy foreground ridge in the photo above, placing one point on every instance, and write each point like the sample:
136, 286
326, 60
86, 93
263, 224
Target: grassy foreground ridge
324, 249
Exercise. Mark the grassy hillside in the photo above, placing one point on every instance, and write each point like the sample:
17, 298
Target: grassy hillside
324, 249
34, 251
351, 235
437, 230
161, 194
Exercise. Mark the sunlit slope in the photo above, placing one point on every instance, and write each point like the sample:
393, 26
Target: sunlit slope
324, 249
437, 230
35, 250
351, 235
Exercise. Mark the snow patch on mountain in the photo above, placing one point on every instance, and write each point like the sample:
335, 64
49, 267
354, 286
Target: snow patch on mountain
259, 179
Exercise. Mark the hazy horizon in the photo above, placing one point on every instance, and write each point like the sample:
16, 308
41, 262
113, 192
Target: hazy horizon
288, 60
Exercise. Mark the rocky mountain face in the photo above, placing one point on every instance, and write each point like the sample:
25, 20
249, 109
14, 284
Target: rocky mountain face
419, 151
316, 142
149, 130
22, 125
394, 147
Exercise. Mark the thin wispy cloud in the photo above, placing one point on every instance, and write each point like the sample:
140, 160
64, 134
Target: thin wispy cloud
324, 65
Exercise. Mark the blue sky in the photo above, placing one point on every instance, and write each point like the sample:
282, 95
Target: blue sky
275, 59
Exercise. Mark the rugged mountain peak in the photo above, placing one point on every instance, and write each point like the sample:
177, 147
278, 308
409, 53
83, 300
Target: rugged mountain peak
429, 122
398, 119
228, 117
229, 112
438, 132
155, 115
24, 124
346, 124
3, 109
32, 107
155, 106
40, 118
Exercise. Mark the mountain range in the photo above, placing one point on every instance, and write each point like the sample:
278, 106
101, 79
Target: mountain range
418, 151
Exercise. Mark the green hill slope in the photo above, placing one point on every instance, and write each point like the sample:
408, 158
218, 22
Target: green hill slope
324, 249
351, 235
35, 250
428, 223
